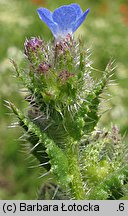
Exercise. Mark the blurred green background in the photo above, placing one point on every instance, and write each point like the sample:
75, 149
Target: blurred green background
105, 31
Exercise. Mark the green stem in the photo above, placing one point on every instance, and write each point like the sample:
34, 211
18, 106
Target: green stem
76, 183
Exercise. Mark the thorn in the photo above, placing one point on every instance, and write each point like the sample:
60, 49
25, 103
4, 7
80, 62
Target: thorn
34, 147
42, 151
56, 190
45, 174
47, 127
24, 135
39, 165
39, 117
12, 126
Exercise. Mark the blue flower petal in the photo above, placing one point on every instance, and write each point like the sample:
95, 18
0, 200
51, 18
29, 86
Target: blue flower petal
64, 20
78, 9
46, 16
65, 17
80, 20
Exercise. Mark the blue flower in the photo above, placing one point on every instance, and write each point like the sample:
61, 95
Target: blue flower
64, 20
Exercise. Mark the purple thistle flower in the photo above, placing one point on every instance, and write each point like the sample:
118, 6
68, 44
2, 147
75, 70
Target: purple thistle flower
64, 20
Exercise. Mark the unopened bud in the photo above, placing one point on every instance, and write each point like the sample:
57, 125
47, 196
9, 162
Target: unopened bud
43, 67
64, 75
64, 44
32, 45
34, 49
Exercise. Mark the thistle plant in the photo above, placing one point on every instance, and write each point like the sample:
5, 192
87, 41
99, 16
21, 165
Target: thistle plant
81, 161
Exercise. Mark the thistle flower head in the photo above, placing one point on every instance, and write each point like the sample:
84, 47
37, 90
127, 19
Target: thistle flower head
64, 20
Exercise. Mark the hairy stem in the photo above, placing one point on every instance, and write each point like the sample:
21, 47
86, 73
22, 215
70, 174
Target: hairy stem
76, 184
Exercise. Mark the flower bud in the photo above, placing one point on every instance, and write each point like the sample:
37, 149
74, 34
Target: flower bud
32, 45
63, 45
34, 49
64, 75
43, 67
